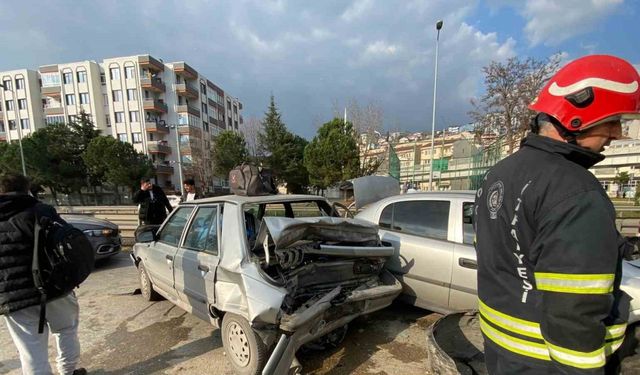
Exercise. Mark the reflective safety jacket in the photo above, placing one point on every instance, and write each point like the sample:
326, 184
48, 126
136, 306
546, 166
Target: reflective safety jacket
549, 260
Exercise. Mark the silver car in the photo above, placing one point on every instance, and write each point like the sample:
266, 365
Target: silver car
435, 259
273, 272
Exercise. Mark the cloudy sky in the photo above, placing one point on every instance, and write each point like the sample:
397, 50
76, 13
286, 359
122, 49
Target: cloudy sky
313, 55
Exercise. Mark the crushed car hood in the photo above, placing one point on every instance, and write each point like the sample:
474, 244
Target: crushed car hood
284, 231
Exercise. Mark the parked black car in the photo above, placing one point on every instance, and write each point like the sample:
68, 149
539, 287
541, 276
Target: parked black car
103, 234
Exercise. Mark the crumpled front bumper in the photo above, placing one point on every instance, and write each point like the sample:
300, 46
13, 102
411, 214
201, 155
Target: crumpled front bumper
326, 314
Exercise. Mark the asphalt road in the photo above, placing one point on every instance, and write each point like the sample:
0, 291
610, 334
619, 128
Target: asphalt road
120, 333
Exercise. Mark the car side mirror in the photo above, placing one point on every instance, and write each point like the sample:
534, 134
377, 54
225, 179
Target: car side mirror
147, 233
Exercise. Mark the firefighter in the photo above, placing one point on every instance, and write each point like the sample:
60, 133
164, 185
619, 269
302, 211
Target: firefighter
549, 254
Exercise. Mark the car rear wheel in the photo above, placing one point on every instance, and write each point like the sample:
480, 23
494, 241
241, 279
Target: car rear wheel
244, 348
146, 287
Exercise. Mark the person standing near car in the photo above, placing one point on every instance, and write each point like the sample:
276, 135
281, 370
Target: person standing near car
153, 202
190, 192
19, 298
549, 254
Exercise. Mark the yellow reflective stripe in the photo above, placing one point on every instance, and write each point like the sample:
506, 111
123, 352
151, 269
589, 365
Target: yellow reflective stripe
575, 283
612, 346
613, 332
514, 344
577, 359
510, 323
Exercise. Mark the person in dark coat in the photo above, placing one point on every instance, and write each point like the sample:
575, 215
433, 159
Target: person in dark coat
19, 298
190, 192
153, 202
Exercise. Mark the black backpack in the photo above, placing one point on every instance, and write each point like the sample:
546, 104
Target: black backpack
62, 259
249, 180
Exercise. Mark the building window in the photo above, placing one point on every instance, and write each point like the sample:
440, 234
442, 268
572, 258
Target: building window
107, 120
24, 123
117, 95
8, 105
84, 98
50, 120
103, 80
122, 137
203, 88
67, 78
131, 95
136, 137
12, 125
204, 109
119, 117
22, 103
7, 85
20, 83
114, 73
128, 72
82, 77
2, 127
50, 79
133, 116
70, 99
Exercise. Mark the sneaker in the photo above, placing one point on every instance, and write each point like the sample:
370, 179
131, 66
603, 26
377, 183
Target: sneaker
79, 371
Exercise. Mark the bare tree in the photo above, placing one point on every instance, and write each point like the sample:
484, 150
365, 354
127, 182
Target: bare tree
250, 130
510, 87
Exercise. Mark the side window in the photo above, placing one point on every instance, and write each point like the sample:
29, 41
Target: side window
203, 232
173, 229
274, 209
422, 218
467, 223
386, 217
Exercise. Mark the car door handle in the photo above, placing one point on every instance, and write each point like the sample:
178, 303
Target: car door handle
468, 263
169, 258
203, 268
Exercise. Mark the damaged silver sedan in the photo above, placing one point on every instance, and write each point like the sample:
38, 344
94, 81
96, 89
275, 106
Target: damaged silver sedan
273, 272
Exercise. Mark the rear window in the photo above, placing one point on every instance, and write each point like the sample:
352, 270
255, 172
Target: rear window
421, 218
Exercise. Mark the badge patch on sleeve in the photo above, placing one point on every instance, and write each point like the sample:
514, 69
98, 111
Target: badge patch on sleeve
495, 196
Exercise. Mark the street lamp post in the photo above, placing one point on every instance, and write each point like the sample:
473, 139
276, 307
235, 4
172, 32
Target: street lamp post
433, 113
179, 157
16, 121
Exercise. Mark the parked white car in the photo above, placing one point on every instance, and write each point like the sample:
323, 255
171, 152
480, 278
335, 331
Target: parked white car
435, 259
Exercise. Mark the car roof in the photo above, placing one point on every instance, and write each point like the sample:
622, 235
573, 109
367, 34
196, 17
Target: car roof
429, 194
239, 199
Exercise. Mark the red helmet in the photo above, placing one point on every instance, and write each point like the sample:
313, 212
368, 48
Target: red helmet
590, 91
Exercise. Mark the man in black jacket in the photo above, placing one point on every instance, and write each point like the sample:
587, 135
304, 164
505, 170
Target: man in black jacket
190, 191
549, 254
19, 298
153, 202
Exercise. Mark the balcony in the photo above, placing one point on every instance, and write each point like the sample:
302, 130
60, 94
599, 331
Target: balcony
158, 147
163, 168
185, 70
212, 120
190, 130
186, 90
155, 105
51, 91
53, 110
146, 61
153, 84
154, 127
189, 109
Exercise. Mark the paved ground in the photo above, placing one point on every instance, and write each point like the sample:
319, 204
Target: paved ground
123, 334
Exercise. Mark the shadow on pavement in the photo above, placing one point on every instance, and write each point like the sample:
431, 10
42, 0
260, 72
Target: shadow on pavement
368, 335
113, 262
149, 349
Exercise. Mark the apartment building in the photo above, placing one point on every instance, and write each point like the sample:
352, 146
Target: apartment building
168, 111
20, 106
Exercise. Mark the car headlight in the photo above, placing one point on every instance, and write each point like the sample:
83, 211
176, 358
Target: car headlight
105, 232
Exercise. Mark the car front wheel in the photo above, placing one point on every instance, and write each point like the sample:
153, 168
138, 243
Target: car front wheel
244, 348
146, 287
